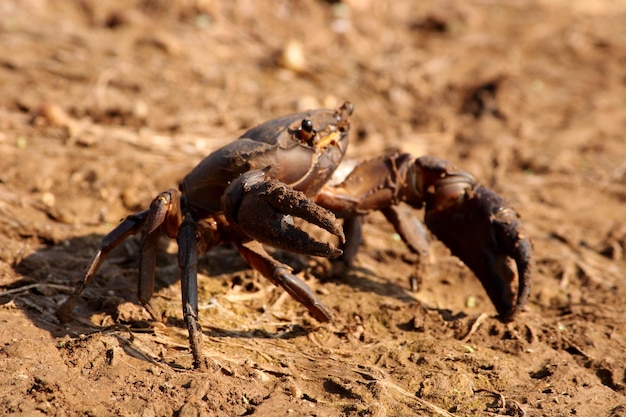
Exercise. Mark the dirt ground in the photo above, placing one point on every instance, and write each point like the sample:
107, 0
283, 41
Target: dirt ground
105, 104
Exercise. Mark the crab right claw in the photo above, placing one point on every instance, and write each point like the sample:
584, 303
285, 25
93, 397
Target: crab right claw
480, 228
262, 208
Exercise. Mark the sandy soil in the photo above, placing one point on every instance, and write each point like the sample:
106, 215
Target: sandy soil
105, 104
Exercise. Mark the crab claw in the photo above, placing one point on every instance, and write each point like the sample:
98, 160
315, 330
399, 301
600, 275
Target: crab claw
262, 208
480, 228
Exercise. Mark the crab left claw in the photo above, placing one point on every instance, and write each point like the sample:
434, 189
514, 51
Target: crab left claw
478, 225
480, 228
263, 209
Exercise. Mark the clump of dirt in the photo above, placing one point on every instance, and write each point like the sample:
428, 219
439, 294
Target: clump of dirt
105, 104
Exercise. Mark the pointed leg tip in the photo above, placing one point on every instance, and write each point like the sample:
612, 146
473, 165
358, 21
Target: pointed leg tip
322, 313
201, 364
65, 313
507, 317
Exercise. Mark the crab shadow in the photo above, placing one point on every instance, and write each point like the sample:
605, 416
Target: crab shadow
47, 276
362, 279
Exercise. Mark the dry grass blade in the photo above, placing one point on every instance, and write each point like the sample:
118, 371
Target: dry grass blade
39, 285
382, 378
474, 327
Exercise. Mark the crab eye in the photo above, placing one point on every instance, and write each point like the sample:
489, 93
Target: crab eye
306, 133
307, 125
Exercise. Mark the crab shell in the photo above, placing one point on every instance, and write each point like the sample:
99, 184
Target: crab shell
303, 160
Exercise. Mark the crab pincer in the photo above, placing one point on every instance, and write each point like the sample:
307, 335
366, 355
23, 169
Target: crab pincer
482, 229
262, 208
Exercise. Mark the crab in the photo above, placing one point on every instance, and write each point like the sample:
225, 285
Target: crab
248, 192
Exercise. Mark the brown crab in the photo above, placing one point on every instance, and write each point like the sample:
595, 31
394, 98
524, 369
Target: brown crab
247, 192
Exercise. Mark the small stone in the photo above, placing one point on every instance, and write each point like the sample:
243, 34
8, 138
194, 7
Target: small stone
293, 57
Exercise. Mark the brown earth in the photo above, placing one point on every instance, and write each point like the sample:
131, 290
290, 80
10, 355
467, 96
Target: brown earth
104, 104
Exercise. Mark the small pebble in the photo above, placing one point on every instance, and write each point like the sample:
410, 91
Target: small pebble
48, 199
293, 57
470, 302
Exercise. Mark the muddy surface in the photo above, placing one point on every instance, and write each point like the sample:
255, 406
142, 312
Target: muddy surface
105, 104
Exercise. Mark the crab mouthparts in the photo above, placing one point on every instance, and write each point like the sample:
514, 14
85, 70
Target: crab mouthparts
329, 140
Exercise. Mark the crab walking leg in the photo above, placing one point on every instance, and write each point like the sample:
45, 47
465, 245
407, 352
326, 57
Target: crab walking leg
410, 229
412, 232
163, 217
353, 230
280, 274
131, 225
188, 263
